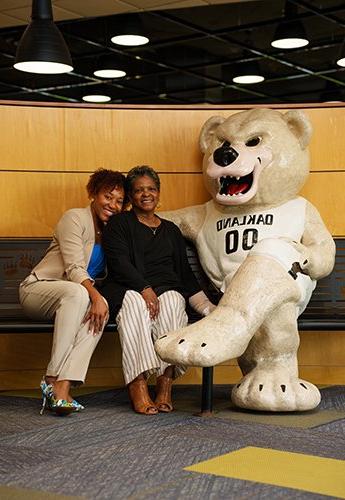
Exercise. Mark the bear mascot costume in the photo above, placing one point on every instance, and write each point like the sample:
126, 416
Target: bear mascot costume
264, 247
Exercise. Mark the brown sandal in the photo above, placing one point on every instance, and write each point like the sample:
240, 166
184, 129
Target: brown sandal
163, 394
140, 398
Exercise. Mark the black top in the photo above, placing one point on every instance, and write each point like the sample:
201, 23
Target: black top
137, 258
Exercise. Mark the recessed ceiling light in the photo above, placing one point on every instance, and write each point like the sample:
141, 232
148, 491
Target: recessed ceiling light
130, 40
109, 73
96, 98
247, 79
341, 62
289, 43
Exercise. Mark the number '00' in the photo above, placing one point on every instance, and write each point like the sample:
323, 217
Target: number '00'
249, 238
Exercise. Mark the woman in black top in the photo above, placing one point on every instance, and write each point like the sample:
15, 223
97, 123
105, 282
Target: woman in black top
149, 279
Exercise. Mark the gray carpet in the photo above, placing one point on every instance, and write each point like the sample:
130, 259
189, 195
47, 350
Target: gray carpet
109, 452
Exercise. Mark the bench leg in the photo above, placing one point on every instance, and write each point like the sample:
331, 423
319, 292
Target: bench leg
207, 392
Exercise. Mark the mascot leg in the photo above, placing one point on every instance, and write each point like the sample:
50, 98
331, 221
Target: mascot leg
271, 380
260, 286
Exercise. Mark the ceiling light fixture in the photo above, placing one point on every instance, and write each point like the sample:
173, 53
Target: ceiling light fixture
42, 48
109, 73
96, 98
130, 40
248, 73
130, 32
290, 33
248, 79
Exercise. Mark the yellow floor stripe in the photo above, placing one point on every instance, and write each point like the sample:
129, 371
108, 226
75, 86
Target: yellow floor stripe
302, 420
11, 493
325, 476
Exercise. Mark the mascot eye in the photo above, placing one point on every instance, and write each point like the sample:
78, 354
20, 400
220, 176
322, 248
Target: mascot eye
254, 141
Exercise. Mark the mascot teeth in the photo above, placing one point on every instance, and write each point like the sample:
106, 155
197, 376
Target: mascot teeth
235, 186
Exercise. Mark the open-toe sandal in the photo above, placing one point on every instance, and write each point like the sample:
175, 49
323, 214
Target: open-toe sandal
163, 394
140, 398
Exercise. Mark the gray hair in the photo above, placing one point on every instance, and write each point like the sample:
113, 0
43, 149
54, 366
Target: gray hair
140, 171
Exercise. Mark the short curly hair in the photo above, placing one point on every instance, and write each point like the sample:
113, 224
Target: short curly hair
104, 179
140, 171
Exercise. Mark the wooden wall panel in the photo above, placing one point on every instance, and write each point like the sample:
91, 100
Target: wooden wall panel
325, 190
32, 138
326, 148
48, 138
32, 202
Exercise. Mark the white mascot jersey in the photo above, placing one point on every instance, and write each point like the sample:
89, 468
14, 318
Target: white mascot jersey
235, 236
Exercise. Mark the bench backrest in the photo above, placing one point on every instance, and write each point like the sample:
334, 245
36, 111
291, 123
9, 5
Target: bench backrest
19, 255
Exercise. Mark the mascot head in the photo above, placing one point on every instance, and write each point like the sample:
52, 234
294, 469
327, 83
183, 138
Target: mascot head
256, 157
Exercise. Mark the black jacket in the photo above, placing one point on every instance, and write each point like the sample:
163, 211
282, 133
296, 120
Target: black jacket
125, 259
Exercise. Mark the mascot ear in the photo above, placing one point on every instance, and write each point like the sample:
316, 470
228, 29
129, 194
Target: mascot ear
208, 130
299, 125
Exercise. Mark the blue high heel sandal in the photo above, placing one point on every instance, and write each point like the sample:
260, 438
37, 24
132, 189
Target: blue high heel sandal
77, 406
59, 406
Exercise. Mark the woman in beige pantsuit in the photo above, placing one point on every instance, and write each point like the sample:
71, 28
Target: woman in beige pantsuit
61, 286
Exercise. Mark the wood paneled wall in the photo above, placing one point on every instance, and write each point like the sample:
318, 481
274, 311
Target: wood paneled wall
47, 154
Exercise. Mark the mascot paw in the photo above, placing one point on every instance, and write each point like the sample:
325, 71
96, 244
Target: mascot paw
275, 390
205, 343
183, 348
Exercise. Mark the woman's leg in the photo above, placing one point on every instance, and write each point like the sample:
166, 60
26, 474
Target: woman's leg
172, 316
134, 326
138, 355
72, 344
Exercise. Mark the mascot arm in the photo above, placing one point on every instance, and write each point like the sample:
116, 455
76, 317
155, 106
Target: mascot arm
189, 220
317, 248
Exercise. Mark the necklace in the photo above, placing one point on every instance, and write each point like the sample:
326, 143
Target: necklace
144, 221
153, 229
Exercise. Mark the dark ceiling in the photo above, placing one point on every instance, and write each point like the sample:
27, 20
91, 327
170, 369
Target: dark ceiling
192, 56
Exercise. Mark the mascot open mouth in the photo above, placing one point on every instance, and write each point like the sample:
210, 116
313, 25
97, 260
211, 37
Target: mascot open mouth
234, 186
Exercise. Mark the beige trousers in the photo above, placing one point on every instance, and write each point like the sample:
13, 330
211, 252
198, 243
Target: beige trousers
67, 303
138, 332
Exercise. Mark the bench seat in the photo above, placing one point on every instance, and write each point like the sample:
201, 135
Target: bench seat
325, 311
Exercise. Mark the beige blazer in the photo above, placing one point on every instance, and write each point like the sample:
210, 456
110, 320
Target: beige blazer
69, 253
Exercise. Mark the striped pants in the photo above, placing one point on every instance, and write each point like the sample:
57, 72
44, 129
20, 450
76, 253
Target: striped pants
138, 332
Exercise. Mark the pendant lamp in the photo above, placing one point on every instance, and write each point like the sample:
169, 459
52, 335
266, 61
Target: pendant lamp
248, 73
42, 48
130, 32
290, 33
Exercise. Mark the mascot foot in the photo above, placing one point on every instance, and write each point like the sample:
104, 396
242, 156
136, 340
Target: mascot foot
198, 344
275, 390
